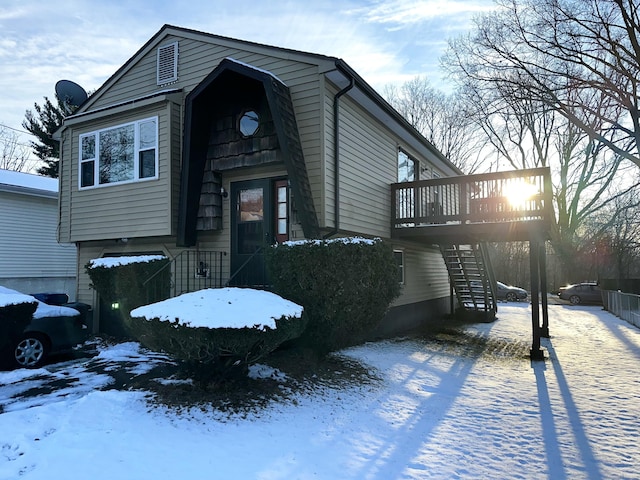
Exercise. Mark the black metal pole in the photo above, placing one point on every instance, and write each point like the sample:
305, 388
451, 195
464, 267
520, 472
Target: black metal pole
544, 330
536, 352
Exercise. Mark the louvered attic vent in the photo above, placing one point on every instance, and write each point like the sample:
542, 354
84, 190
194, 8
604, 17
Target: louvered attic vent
167, 63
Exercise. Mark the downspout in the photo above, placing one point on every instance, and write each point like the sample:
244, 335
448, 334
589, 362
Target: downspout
336, 157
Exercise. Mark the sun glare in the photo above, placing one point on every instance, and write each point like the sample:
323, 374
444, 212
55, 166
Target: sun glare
519, 192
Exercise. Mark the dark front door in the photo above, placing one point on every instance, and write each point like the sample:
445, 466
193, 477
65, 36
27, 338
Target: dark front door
251, 231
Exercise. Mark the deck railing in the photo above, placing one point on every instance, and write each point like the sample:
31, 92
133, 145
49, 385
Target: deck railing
514, 196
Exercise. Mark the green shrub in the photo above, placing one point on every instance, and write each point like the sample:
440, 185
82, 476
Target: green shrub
214, 353
123, 284
345, 286
14, 319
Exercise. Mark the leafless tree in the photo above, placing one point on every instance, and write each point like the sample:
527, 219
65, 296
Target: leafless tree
537, 100
442, 119
559, 52
13, 154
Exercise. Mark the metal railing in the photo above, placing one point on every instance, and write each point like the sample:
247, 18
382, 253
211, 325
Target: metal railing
252, 272
623, 305
189, 271
519, 195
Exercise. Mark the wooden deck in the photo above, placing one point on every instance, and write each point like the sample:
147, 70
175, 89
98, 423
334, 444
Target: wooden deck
495, 207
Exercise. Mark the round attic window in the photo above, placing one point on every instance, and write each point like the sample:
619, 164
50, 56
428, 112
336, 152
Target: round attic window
249, 123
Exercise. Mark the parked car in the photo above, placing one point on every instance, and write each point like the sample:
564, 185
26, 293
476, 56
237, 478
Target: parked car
53, 329
581, 293
510, 293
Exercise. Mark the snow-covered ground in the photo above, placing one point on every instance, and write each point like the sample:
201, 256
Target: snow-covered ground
464, 408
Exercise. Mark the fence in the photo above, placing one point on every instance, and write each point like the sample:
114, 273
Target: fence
189, 271
624, 305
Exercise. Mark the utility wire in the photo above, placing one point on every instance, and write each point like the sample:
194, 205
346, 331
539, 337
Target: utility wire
16, 129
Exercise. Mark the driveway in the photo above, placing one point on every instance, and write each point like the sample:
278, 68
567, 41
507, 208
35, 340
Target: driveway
465, 403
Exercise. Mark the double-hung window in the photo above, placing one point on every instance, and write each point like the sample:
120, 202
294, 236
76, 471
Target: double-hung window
125, 153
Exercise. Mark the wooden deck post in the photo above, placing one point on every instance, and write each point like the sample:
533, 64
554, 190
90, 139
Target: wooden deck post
536, 352
544, 329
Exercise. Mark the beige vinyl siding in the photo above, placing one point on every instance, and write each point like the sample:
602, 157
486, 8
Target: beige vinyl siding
368, 165
425, 273
198, 58
216, 241
65, 167
328, 205
28, 245
134, 209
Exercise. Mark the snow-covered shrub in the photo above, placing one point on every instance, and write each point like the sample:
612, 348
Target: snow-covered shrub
218, 333
345, 285
120, 280
16, 312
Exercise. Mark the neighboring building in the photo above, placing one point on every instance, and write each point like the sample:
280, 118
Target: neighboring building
204, 143
31, 259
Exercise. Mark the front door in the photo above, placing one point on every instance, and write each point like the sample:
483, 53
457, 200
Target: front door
252, 223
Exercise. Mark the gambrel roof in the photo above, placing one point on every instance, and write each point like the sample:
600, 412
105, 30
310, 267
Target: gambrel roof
194, 149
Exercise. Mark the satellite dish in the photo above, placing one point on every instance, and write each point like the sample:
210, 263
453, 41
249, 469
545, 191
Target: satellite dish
70, 93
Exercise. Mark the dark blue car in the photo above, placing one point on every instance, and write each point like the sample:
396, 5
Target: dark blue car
53, 329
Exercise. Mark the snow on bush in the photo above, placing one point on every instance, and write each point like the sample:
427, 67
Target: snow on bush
218, 333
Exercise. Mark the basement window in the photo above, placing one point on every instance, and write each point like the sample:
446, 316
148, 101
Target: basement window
398, 255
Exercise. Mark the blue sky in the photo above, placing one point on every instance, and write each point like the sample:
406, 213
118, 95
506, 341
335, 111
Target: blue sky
385, 41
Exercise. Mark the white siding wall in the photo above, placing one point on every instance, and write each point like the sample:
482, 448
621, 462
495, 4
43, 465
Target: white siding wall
30, 256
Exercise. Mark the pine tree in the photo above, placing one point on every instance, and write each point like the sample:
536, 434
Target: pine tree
43, 124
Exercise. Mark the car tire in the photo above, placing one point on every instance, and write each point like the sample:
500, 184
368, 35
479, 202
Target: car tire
574, 300
511, 297
31, 351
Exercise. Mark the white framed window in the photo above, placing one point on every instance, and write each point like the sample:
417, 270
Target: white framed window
119, 154
408, 167
398, 255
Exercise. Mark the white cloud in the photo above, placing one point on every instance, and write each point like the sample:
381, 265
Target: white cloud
86, 41
404, 12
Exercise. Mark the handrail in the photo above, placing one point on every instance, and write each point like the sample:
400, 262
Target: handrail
241, 267
161, 269
189, 270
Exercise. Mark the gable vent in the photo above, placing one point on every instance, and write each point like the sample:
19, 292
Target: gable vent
167, 63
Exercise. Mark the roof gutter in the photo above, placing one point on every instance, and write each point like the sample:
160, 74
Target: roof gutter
336, 154
374, 96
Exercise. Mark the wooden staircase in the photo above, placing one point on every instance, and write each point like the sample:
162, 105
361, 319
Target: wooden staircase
472, 280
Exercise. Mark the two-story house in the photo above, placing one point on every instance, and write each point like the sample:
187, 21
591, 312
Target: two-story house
201, 143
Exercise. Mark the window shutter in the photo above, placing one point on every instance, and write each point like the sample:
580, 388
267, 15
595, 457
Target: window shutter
167, 63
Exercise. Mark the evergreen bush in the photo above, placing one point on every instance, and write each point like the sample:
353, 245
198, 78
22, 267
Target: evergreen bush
345, 286
123, 284
214, 353
14, 319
